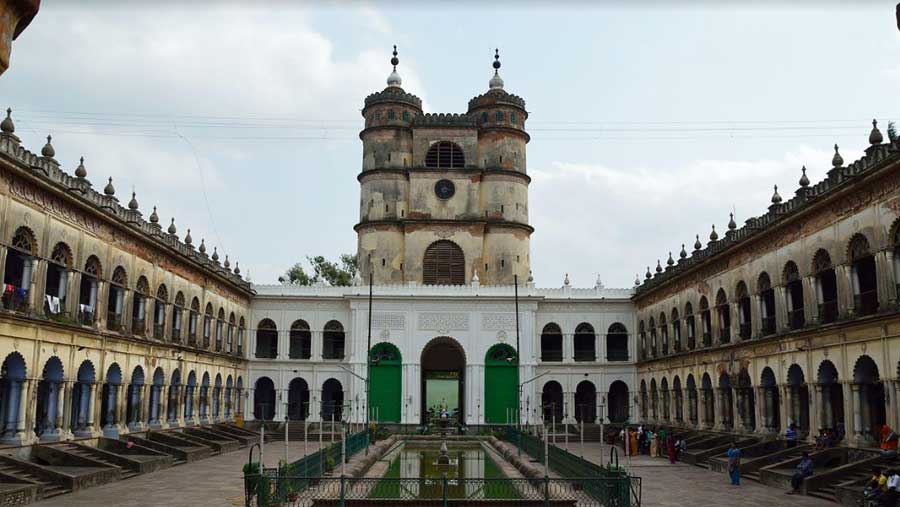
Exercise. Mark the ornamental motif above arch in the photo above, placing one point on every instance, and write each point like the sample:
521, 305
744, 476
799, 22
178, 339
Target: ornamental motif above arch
763, 283
790, 272
25, 240
142, 286
62, 255
859, 247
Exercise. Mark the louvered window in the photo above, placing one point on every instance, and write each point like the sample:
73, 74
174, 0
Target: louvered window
445, 154
444, 264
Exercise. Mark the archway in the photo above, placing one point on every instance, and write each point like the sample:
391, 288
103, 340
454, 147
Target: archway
798, 408
82, 395
48, 422
264, 399
645, 411
174, 387
133, 404
332, 400
217, 397
692, 400
831, 398
666, 399
385, 382
189, 397
771, 402
726, 398
443, 379
12, 382
708, 401
678, 399
585, 402
229, 390
204, 398
501, 385
156, 391
109, 406
617, 399
746, 401
552, 402
868, 390
298, 399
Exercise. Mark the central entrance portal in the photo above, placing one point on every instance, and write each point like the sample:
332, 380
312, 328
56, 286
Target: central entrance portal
443, 380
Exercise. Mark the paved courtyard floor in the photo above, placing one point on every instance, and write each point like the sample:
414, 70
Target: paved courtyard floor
217, 482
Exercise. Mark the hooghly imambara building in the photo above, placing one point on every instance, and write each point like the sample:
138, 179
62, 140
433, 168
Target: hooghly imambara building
112, 323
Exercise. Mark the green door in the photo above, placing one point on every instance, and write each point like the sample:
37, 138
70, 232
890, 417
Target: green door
501, 384
385, 383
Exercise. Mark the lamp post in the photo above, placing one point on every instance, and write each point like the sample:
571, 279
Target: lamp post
366, 380
519, 400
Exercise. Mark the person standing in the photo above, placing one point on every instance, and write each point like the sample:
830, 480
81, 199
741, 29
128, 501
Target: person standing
734, 464
804, 470
654, 444
633, 440
791, 435
670, 447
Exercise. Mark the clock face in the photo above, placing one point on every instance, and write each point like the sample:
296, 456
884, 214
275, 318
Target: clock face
444, 189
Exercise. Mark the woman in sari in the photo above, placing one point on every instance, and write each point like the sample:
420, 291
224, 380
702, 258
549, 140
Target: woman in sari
654, 444
670, 447
633, 443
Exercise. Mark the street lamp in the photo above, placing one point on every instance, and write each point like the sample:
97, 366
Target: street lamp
366, 380
519, 401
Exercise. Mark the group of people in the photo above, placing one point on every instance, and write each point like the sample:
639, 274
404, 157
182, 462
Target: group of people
883, 489
647, 442
803, 469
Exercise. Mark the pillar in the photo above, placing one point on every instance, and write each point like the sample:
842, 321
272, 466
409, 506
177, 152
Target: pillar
718, 414
810, 301
23, 433
854, 432
887, 283
163, 406
844, 290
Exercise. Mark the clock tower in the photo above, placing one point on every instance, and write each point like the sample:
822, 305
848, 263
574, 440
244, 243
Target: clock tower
444, 197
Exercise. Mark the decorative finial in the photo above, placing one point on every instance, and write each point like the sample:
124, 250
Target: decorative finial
566, 280
47, 151
637, 280
215, 255
776, 199
172, 229
530, 277
154, 218
394, 78
804, 180
475, 276
80, 171
731, 224
202, 246
648, 275
670, 261
875, 136
7, 126
837, 160
109, 189
697, 244
714, 236
658, 266
599, 283
237, 269
683, 253
133, 204
226, 263
187, 238
496, 82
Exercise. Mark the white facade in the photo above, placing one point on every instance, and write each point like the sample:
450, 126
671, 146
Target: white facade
410, 316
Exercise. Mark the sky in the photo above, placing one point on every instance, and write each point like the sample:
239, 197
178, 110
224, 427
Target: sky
648, 124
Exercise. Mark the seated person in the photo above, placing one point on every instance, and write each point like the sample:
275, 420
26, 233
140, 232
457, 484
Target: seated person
804, 469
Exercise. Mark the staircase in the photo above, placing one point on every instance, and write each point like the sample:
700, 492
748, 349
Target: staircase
96, 455
48, 489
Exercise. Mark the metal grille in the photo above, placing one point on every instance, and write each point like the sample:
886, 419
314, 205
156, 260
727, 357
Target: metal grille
445, 154
444, 264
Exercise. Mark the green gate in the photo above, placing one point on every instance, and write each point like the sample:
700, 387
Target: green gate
385, 382
501, 384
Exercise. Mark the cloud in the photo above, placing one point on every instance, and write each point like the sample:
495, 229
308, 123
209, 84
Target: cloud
594, 219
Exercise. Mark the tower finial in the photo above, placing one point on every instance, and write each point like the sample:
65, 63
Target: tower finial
394, 78
496, 82
496, 59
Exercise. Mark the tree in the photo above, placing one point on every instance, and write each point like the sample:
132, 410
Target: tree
892, 131
336, 274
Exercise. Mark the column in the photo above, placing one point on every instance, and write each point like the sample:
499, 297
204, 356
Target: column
887, 283
768, 398
718, 404
785, 401
22, 433
737, 421
894, 389
810, 302
864, 412
145, 405
163, 406
781, 309
92, 408
756, 309
60, 408
65, 423
315, 411
854, 404
844, 290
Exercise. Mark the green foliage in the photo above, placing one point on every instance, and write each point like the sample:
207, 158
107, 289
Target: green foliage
258, 483
329, 463
336, 274
892, 131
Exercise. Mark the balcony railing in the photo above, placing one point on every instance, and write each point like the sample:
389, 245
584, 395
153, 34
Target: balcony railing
240, 350
159, 331
86, 317
617, 355
15, 299
138, 326
768, 325
553, 356
192, 339
218, 345
796, 318
114, 321
745, 330
707, 339
866, 303
176, 335
725, 335
585, 355
206, 342
691, 342
828, 311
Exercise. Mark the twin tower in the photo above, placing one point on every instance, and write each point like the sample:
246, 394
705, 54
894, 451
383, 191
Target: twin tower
444, 197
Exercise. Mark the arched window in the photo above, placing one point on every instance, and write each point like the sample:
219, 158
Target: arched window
617, 342
159, 312
87, 292
193, 322
794, 288
652, 325
333, 340
229, 338
19, 270
863, 276
766, 296
585, 342
139, 307
676, 330
301, 340
220, 329
484, 117
724, 314
664, 333
690, 325
444, 154
444, 264
826, 286
207, 325
57, 280
177, 317
745, 328
705, 322
642, 334
498, 116
240, 338
116, 303
551, 343
266, 340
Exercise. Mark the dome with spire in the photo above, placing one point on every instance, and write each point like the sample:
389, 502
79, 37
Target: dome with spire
658, 266
109, 189
670, 261
637, 280
875, 136
697, 244
154, 218
648, 275
566, 280
227, 264
394, 79
530, 277
804, 180
496, 95
187, 238
714, 236
731, 223
47, 151
837, 160
172, 229
237, 269
7, 126
80, 171
133, 204
776, 198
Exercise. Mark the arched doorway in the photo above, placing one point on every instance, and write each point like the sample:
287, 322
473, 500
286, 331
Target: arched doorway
48, 423
798, 408
82, 418
133, 404
693, 400
771, 402
831, 398
385, 382
298, 399
869, 392
109, 406
746, 401
552, 402
12, 382
708, 401
332, 400
617, 401
501, 385
264, 399
156, 392
174, 388
585, 402
443, 379
726, 398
